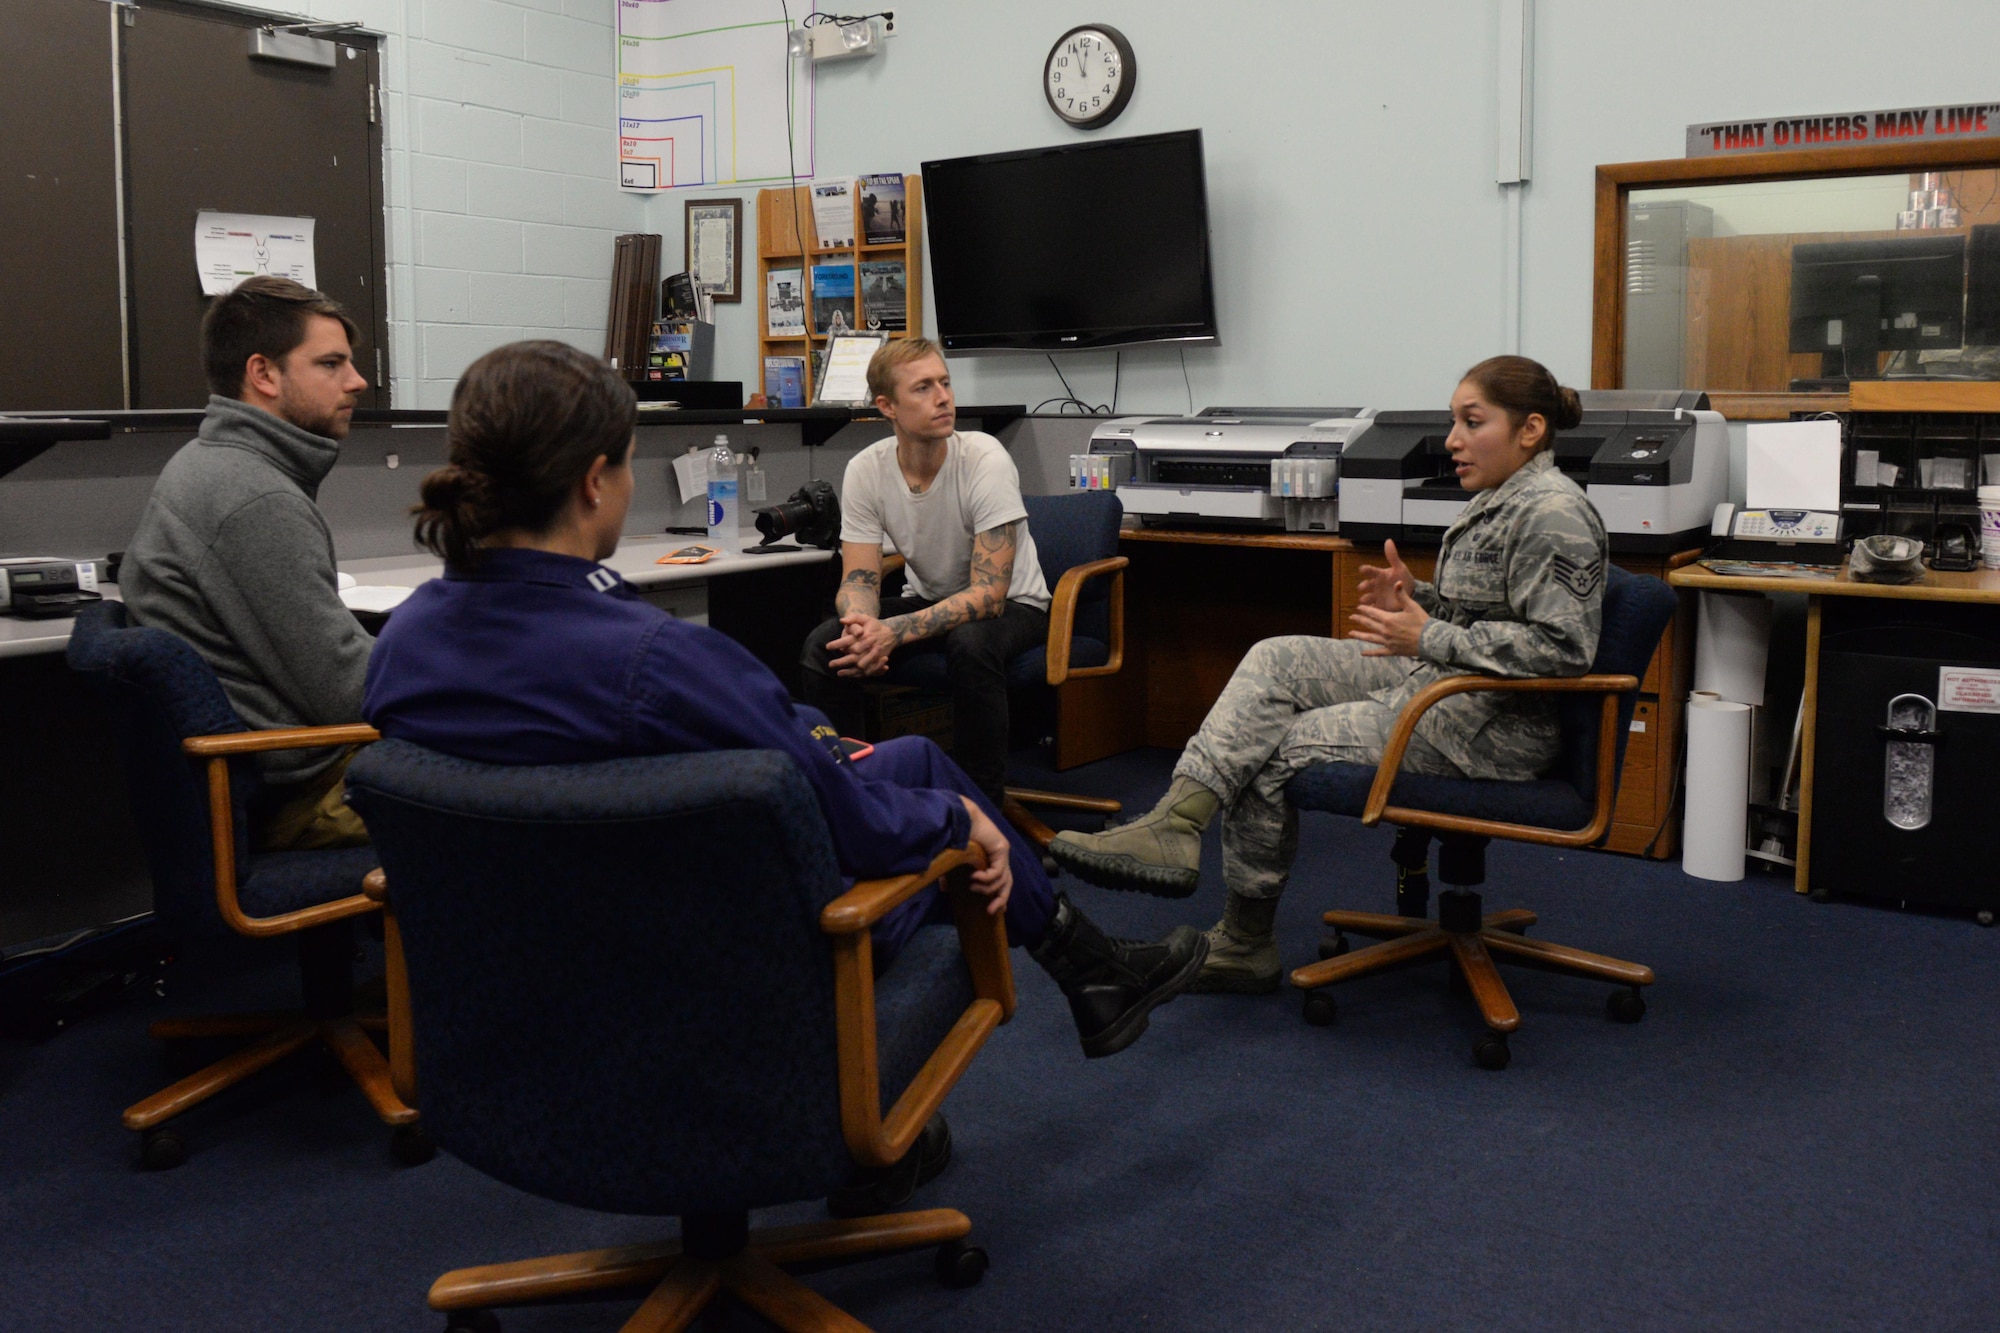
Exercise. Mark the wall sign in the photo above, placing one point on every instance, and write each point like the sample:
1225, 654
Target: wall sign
1929, 124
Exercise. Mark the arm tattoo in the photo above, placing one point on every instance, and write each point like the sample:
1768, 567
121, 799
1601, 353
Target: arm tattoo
983, 599
860, 591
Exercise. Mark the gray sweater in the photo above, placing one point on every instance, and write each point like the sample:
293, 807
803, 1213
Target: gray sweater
233, 555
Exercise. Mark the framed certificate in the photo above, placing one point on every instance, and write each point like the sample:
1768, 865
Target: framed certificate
714, 250
844, 382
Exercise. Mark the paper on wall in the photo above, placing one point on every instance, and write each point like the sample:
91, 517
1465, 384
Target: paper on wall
229, 247
1792, 465
691, 472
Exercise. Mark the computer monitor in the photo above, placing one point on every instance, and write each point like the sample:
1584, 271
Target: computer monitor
1854, 299
1982, 287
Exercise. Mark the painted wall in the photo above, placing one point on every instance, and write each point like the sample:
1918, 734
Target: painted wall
1358, 233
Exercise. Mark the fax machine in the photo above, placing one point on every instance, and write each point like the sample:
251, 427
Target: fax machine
1227, 467
1654, 464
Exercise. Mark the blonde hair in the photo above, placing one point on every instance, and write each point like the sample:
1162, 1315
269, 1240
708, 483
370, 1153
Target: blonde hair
896, 352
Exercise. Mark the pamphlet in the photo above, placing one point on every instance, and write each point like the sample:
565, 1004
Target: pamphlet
884, 296
882, 209
785, 303
833, 298
833, 213
785, 381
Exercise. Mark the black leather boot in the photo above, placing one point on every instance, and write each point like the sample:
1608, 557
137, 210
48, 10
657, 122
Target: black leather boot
1113, 985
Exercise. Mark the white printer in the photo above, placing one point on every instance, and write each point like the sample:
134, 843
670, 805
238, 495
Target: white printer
1226, 467
1655, 464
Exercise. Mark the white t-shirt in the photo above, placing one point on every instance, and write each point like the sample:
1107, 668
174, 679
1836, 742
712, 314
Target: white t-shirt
978, 489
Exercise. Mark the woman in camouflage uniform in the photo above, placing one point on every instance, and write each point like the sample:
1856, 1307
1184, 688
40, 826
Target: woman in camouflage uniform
1519, 592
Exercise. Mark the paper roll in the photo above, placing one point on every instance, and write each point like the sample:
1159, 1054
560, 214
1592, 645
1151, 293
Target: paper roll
1731, 643
1718, 771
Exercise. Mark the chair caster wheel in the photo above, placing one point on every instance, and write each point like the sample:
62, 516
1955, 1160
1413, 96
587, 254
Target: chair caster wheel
960, 1265
1319, 1009
411, 1146
160, 1149
472, 1321
1333, 944
1626, 1006
1491, 1052
1984, 916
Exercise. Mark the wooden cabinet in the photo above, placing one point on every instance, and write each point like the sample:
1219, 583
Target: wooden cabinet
786, 212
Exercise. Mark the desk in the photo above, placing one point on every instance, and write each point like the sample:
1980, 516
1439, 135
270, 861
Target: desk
1978, 587
73, 859
1196, 601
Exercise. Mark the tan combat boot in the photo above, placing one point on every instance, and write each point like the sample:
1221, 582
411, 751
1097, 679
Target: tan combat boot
1242, 950
1157, 853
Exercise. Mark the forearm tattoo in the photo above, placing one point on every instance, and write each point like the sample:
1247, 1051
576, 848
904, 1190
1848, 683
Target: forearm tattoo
860, 591
985, 598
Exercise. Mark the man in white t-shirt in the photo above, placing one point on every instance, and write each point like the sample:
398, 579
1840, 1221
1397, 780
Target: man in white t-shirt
950, 501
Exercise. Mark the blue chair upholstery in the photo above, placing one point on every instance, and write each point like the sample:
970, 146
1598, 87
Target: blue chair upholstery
159, 694
1069, 530
621, 994
1571, 806
1637, 609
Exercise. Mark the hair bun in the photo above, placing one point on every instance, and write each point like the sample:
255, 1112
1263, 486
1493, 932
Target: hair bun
1569, 408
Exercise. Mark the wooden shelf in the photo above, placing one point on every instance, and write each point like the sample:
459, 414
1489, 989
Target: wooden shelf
1925, 395
780, 214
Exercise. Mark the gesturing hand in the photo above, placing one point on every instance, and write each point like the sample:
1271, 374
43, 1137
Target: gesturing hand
864, 646
1380, 587
1396, 630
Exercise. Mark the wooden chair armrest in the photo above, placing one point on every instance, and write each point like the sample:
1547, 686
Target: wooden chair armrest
376, 886
1378, 806
278, 738
875, 1138
1062, 618
218, 750
872, 899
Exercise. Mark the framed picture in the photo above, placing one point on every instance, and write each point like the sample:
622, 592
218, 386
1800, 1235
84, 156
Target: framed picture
715, 246
843, 382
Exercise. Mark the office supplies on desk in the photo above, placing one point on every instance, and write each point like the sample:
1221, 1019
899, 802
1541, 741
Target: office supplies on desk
1216, 469
39, 587
1793, 536
688, 555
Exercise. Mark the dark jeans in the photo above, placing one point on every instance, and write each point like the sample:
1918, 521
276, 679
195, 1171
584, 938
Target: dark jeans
913, 761
975, 661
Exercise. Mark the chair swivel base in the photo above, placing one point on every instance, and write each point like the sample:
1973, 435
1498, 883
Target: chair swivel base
1476, 943
278, 1034
748, 1266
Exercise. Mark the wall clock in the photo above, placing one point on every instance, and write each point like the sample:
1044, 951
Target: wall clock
1089, 75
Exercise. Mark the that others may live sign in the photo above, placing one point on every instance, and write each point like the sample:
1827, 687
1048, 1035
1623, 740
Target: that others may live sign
1925, 124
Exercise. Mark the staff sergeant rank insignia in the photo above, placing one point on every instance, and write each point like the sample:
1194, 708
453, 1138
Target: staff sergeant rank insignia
1581, 580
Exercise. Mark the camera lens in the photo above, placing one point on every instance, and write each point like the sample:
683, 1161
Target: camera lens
781, 520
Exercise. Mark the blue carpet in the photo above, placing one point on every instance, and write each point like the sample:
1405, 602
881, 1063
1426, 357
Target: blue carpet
1804, 1132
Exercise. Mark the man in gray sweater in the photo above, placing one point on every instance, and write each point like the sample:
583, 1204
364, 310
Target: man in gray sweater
233, 554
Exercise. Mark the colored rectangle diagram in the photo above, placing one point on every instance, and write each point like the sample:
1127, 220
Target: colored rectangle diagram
707, 99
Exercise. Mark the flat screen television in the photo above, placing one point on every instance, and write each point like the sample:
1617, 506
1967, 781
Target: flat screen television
1100, 244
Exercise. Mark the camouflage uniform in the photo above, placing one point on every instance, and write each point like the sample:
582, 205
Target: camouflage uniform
1519, 592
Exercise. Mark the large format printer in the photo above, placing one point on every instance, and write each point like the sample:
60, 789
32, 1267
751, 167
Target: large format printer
1226, 467
1655, 463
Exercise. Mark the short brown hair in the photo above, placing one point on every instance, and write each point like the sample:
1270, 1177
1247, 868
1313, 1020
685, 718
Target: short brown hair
527, 421
1520, 387
896, 352
263, 316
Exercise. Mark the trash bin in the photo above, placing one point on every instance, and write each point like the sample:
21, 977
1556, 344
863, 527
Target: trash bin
1906, 752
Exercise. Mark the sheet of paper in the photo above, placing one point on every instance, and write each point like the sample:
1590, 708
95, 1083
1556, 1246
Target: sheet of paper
229, 247
1792, 465
711, 250
845, 379
379, 598
833, 212
691, 472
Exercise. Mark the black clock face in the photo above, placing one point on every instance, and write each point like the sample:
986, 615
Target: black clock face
1089, 75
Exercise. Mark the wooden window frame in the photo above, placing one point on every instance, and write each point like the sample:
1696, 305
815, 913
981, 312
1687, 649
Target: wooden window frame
1616, 181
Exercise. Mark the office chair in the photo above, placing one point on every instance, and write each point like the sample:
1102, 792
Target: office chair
1571, 807
1076, 539
178, 734
637, 986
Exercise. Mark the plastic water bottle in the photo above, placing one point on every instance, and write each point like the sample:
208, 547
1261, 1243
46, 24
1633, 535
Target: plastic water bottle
722, 496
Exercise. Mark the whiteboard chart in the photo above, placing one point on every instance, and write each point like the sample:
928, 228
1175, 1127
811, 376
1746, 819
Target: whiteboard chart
701, 94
